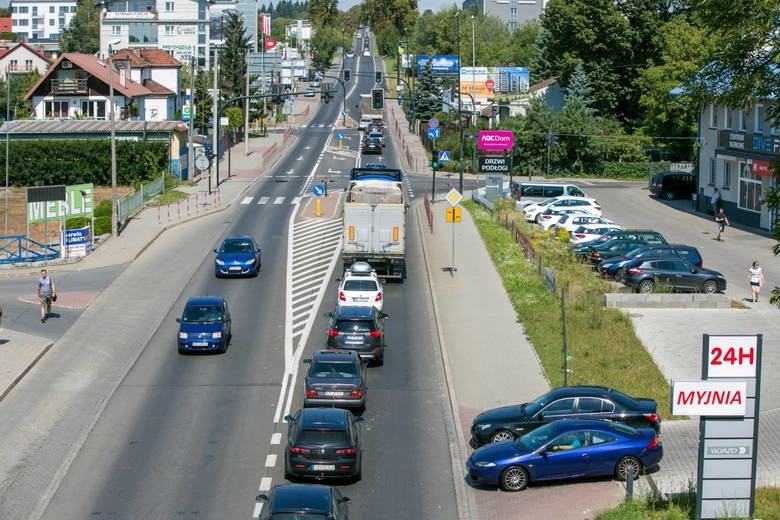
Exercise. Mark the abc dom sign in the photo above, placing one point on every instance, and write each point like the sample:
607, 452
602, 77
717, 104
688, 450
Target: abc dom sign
495, 140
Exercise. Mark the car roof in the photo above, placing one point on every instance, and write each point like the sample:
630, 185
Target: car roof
205, 300
335, 355
573, 391
290, 498
237, 238
323, 419
358, 312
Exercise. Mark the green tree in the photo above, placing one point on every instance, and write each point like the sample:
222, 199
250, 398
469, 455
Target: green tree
323, 12
324, 44
522, 43
531, 139
575, 127
83, 33
578, 86
204, 103
539, 68
427, 93
233, 63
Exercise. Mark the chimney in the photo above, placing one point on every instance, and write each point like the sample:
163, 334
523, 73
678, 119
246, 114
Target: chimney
123, 76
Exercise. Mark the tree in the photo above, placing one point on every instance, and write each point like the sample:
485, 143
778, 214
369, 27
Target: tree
234, 56
204, 103
427, 93
323, 12
539, 68
522, 43
83, 33
575, 126
324, 44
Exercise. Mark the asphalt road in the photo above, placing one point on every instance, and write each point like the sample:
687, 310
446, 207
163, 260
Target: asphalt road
197, 436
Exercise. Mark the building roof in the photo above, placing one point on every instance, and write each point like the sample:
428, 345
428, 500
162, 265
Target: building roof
542, 85
22, 45
6, 25
144, 58
87, 126
158, 89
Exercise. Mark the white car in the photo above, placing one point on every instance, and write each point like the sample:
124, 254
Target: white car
366, 52
364, 122
533, 211
361, 286
550, 217
572, 222
591, 232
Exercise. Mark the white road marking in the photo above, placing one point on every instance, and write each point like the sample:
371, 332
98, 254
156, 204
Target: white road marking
265, 484
300, 158
263, 200
278, 200
290, 171
270, 460
246, 200
296, 200
257, 510
276, 438
307, 147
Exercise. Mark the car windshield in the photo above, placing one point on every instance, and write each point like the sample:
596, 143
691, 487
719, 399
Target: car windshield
353, 326
360, 285
325, 369
300, 516
235, 246
202, 314
537, 404
636, 252
539, 437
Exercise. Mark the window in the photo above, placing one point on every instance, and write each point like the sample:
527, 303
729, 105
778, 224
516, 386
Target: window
559, 407
758, 124
24, 23
13, 65
63, 9
749, 188
744, 118
51, 9
728, 118
24, 9
513, 12
601, 438
51, 22
93, 109
55, 109
512, 24
590, 405
116, 30
28, 66
35, 10
727, 174
73, 8
169, 30
169, 7
713, 116
713, 172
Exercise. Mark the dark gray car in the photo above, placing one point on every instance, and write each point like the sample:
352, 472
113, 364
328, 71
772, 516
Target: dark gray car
335, 378
358, 328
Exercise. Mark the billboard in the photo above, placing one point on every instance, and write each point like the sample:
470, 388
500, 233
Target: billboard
495, 140
75, 242
78, 203
485, 82
439, 64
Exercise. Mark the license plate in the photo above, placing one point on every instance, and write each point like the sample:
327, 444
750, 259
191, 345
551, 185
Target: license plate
353, 339
323, 467
235, 268
200, 344
334, 394
359, 299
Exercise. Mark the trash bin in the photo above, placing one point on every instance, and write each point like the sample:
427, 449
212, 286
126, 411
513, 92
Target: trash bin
694, 198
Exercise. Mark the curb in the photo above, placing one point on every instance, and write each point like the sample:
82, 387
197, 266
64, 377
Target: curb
24, 372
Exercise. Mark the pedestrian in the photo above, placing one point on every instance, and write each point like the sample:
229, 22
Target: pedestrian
756, 279
46, 292
715, 201
723, 220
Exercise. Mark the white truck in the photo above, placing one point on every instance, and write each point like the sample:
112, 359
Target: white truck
375, 221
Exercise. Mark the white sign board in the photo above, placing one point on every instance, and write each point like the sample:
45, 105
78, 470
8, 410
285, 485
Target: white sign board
732, 356
709, 398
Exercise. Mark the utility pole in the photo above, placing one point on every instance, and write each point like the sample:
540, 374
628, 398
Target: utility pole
215, 116
460, 117
549, 146
246, 114
191, 123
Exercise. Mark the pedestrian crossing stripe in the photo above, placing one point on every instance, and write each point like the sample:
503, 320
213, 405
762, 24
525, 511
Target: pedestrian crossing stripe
275, 201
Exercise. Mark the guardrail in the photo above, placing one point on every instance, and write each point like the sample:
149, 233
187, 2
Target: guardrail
19, 248
131, 204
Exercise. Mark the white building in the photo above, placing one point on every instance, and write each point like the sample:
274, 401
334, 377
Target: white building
180, 27
33, 20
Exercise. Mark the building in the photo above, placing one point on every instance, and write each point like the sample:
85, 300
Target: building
22, 59
248, 11
6, 25
549, 90
515, 12
299, 31
33, 20
78, 86
180, 27
737, 148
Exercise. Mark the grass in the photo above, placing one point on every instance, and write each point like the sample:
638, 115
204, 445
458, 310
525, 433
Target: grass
169, 197
602, 344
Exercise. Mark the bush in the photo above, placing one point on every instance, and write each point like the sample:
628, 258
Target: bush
103, 225
621, 170
77, 223
103, 209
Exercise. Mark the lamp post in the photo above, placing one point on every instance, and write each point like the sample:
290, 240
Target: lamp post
112, 118
191, 122
473, 103
7, 130
460, 119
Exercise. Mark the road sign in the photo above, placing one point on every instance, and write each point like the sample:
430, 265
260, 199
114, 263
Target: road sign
494, 164
319, 189
453, 215
224, 121
269, 44
433, 123
444, 156
340, 136
343, 114
454, 197
202, 162
434, 133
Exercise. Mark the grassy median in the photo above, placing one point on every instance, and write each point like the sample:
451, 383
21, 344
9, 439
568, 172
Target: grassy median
601, 342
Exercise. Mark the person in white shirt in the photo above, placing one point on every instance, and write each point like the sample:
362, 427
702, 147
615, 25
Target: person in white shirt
756, 279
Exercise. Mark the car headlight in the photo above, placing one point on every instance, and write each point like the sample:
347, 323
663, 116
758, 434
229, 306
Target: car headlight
220, 262
485, 464
217, 335
483, 427
250, 261
182, 335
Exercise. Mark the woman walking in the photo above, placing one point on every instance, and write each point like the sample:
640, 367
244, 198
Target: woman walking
755, 279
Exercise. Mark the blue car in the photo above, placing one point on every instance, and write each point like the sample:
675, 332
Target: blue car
237, 256
566, 449
204, 325
612, 268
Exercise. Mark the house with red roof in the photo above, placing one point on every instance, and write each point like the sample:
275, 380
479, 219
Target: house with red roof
22, 59
78, 86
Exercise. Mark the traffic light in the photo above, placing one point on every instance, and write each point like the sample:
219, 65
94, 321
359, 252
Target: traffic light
347, 74
435, 159
378, 98
378, 78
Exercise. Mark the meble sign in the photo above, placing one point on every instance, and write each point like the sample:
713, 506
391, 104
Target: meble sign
709, 398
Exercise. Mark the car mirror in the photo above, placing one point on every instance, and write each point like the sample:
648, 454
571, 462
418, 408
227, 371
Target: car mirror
288, 418
307, 361
384, 316
338, 280
261, 498
542, 452
694, 270
257, 250
216, 250
178, 320
359, 418
328, 314
346, 500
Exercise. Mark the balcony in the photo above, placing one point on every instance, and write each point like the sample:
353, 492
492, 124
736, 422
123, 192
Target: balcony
68, 86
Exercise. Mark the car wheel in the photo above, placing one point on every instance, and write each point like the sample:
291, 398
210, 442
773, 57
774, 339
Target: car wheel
618, 275
513, 478
501, 435
182, 351
710, 287
628, 465
646, 286
379, 361
539, 219
669, 195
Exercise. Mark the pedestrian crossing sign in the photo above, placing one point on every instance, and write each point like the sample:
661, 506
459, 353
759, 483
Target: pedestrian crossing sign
444, 156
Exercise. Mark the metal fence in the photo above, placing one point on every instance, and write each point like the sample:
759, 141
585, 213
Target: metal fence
131, 204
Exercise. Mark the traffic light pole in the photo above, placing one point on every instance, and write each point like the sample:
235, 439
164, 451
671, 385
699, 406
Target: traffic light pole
344, 91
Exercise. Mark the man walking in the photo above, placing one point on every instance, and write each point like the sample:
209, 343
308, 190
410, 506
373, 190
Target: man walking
46, 291
723, 221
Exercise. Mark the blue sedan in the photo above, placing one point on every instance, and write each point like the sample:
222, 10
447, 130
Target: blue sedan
237, 256
204, 325
566, 449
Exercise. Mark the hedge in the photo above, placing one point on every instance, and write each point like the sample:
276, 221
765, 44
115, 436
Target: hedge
77, 161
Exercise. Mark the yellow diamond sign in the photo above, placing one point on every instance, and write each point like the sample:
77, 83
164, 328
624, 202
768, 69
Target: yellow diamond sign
454, 197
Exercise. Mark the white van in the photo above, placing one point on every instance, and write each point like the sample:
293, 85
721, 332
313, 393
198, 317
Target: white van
526, 192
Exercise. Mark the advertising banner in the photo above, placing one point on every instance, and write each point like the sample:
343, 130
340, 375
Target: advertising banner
439, 64
495, 140
78, 203
494, 164
75, 242
485, 82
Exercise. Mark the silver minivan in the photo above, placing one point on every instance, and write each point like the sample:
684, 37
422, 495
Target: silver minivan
526, 192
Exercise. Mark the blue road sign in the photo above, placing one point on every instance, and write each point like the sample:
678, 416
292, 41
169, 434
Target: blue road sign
340, 136
468, 136
433, 123
400, 101
434, 133
343, 113
444, 157
319, 189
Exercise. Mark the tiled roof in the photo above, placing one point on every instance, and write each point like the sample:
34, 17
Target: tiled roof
144, 58
87, 126
542, 84
22, 45
156, 88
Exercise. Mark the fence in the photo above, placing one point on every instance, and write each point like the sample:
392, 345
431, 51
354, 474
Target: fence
131, 204
19, 248
428, 209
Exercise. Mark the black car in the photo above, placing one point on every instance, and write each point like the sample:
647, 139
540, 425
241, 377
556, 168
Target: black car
358, 328
613, 267
645, 274
298, 501
579, 402
323, 443
335, 378
671, 185
372, 145
649, 236
612, 248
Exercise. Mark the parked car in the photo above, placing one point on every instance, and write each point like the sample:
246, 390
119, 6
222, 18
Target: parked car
204, 325
567, 402
237, 256
612, 268
297, 501
309, 91
671, 185
358, 328
551, 216
532, 211
645, 274
564, 450
529, 192
648, 235
361, 286
372, 145
590, 232
335, 378
572, 222
611, 248
323, 443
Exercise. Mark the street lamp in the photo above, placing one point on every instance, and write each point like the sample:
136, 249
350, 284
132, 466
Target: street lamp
112, 118
460, 117
249, 44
